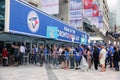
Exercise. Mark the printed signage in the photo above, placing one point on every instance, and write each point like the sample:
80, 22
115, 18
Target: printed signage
32, 21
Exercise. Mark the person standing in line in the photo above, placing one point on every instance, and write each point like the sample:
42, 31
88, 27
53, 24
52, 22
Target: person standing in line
88, 57
102, 57
11, 59
16, 55
116, 59
96, 57
22, 53
41, 55
55, 56
77, 57
71, 57
5, 56
46, 53
35, 51
66, 58
111, 53
63, 58
59, 55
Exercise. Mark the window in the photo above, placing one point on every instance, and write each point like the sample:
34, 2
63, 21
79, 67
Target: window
2, 14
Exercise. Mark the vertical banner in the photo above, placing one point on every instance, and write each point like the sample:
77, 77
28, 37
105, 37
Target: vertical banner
88, 4
50, 6
87, 12
76, 13
95, 14
95, 10
77, 23
95, 21
100, 20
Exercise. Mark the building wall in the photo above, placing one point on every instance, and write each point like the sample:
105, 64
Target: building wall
64, 10
105, 11
36, 3
112, 20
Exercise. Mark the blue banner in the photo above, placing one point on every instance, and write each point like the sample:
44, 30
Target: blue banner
28, 20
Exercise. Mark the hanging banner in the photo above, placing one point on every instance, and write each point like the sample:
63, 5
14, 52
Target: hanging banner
100, 22
88, 4
95, 10
77, 23
75, 9
76, 13
87, 13
95, 21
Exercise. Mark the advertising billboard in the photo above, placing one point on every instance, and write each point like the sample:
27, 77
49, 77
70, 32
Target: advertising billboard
87, 12
25, 19
76, 13
84, 39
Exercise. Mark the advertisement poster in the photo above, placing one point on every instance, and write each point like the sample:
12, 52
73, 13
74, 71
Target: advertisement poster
76, 13
33, 22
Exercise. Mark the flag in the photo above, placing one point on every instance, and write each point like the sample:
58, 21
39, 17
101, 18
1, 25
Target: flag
95, 9
88, 4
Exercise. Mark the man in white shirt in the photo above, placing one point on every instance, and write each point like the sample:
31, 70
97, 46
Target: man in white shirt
22, 52
102, 58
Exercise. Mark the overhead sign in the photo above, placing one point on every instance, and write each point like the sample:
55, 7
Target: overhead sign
32, 21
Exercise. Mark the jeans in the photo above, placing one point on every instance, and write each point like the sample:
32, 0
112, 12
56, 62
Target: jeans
46, 58
55, 61
41, 59
21, 58
34, 59
116, 65
72, 62
5, 62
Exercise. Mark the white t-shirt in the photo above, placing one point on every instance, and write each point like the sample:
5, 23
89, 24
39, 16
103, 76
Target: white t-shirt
22, 49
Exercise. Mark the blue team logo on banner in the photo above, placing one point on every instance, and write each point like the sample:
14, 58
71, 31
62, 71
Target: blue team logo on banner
52, 32
33, 21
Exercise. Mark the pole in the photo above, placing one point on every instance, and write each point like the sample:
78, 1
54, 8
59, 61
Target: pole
82, 15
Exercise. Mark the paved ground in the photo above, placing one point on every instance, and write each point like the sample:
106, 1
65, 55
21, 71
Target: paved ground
34, 72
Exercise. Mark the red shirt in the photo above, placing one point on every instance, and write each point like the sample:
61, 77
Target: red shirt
4, 53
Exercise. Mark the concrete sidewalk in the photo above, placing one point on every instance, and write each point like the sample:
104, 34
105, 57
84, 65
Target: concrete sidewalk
24, 72
35, 72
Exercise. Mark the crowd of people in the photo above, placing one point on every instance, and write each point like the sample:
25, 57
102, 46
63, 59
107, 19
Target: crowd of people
14, 56
68, 57
113, 34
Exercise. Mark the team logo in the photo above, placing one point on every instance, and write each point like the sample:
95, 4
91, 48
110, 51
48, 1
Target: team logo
33, 21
